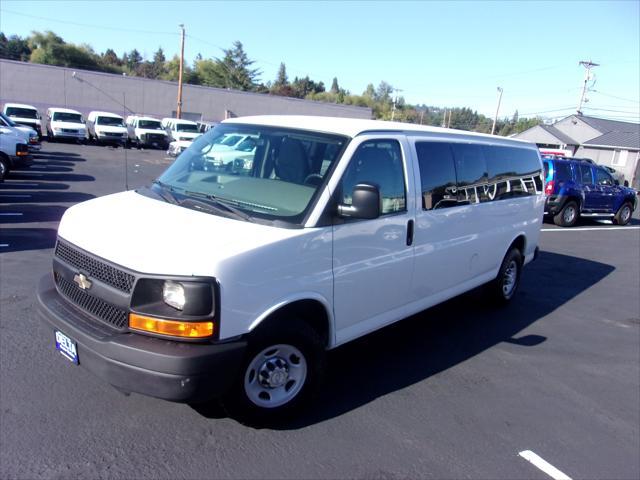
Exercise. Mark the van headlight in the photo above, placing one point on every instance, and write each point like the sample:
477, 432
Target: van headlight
173, 294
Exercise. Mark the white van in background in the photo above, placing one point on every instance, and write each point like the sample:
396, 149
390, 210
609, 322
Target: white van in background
65, 124
14, 151
146, 132
106, 127
182, 130
24, 115
28, 134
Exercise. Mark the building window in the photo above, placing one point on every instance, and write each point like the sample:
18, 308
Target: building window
619, 158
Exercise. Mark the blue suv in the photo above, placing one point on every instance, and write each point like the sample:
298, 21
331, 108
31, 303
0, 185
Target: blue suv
578, 188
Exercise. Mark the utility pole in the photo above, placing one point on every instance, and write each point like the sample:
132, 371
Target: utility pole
587, 76
444, 119
395, 99
495, 119
179, 110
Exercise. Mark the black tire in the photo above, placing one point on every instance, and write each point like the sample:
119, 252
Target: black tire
623, 215
568, 216
271, 357
4, 168
506, 283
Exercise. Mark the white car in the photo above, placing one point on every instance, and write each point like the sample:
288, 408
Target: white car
231, 285
146, 132
106, 128
14, 151
65, 124
24, 115
28, 134
239, 157
179, 129
177, 147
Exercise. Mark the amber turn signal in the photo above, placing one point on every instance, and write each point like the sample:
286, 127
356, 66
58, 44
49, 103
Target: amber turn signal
170, 327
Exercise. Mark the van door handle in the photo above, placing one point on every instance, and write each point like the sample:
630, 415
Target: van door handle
409, 233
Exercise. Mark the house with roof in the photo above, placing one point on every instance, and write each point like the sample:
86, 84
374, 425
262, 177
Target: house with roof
607, 142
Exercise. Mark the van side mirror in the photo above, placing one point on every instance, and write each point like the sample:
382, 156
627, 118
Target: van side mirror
365, 203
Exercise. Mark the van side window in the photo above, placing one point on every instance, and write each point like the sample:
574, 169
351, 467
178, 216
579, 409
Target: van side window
471, 170
586, 176
378, 162
437, 175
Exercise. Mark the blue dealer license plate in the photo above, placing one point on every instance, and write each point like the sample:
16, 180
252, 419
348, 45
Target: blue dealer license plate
67, 347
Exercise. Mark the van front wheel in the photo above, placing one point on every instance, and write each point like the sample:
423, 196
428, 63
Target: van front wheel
504, 287
281, 372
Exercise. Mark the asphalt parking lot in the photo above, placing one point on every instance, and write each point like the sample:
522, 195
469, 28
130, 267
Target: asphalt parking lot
458, 391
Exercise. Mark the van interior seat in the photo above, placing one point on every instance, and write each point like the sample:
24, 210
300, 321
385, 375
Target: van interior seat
292, 164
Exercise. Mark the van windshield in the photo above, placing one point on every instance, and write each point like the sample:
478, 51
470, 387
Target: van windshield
274, 174
22, 112
110, 121
186, 127
150, 124
67, 117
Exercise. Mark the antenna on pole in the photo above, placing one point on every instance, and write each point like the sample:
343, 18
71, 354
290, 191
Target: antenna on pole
588, 65
495, 119
179, 109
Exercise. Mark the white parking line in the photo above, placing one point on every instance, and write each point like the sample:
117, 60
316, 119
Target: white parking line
11, 214
14, 196
583, 229
543, 465
4, 244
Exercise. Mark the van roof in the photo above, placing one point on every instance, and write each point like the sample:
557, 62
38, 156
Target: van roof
352, 127
104, 114
62, 110
19, 105
182, 120
143, 117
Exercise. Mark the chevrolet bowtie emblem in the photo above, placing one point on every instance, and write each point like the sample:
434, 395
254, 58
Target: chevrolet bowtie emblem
82, 281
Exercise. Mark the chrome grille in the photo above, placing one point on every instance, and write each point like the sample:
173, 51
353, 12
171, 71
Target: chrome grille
95, 268
114, 316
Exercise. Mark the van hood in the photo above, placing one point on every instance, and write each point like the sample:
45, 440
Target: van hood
23, 120
70, 125
190, 135
110, 129
155, 237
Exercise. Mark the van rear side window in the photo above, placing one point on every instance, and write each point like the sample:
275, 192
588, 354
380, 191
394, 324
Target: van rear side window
437, 175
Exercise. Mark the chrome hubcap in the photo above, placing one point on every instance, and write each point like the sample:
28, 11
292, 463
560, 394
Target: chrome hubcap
569, 214
275, 376
626, 213
510, 278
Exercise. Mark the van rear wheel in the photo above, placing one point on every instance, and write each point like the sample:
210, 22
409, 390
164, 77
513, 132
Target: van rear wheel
281, 372
506, 283
4, 169
568, 216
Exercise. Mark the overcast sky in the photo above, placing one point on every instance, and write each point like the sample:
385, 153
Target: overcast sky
437, 53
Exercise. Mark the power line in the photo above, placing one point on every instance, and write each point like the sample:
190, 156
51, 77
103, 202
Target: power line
613, 96
77, 24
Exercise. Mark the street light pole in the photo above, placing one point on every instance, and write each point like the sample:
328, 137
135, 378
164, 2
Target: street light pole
179, 109
495, 119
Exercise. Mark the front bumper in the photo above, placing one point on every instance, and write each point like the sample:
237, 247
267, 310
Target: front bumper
69, 135
175, 371
21, 161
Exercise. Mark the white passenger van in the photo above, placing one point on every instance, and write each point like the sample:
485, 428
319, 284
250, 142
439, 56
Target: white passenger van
65, 123
235, 284
144, 131
181, 130
106, 128
24, 115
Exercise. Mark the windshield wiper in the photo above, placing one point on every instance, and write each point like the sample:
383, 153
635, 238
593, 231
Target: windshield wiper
166, 192
218, 203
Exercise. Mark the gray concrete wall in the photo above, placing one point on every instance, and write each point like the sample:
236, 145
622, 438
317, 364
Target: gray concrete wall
46, 86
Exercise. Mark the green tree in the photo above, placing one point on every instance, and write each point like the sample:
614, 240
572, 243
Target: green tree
50, 49
14, 48
281, 78
334, 86
237, 70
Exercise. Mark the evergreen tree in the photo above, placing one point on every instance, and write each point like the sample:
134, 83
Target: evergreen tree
334, 86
